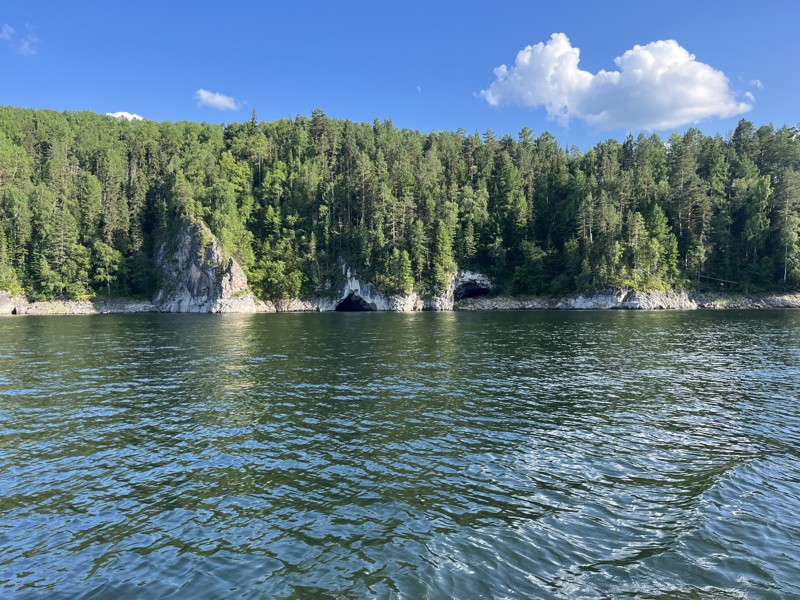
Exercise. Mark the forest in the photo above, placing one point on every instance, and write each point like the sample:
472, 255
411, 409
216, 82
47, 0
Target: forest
85, 200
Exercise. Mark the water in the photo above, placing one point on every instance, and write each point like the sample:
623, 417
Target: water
452, 455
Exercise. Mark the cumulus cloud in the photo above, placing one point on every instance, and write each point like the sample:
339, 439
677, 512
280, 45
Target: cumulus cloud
215, 100
7, 32
756, 83
658, 86
126, 115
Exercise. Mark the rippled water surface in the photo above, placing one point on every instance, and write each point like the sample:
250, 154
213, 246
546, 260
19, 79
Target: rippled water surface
450, 455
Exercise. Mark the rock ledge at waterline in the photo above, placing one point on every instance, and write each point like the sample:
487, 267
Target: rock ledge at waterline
600, 300
362, 295
631, 300
606, 300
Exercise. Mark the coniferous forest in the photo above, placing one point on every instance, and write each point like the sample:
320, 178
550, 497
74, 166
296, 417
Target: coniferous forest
85, 199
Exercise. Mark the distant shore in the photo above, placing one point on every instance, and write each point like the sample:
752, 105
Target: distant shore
601, 300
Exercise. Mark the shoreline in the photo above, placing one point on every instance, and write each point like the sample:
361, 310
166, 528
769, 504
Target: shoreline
601, 300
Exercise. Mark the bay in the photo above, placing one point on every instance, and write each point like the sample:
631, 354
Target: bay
439, 455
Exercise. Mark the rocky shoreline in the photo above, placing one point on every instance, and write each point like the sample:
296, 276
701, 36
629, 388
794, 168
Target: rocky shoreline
602, 300
197, 277
630, 300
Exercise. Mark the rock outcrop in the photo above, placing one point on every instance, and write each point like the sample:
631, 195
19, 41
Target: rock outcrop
19, 305
197, 277
601, 300
10, 304
628, 299
658, 300
357, 294
737, 301
463, 285
604, 299
353, 294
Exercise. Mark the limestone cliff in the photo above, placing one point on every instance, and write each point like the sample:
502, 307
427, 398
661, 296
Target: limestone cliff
354, 294
364, 295
357, 294
197, 277
462, 285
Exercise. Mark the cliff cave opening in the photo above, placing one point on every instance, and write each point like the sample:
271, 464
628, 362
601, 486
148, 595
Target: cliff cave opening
470, 289
354, 303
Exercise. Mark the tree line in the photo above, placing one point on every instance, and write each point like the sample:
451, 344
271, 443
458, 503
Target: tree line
85, 199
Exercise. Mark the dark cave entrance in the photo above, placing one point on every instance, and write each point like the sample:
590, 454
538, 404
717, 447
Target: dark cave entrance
470, 289
354, 303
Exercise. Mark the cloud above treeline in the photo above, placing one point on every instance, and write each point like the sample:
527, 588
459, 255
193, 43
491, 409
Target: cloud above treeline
126, 115
215, 100
658, 86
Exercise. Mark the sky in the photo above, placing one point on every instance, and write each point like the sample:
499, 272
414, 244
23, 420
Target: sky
585, 71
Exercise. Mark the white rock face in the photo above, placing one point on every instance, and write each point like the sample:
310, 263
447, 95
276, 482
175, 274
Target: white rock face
463, 284
364, 294
304, 305
627, 299
358, 291
9, 305
659, 301
602, 300
466, 284
19, 305
599, 300
197, 278
406, 302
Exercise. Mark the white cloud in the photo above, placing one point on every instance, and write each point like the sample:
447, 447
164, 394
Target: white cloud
543, 75
658, 86
27, 46
126, 115
215, 100
756, 83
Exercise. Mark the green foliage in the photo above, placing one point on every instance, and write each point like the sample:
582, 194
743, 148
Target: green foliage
398, 277
443, 263
106, 265
86, 199
529, 277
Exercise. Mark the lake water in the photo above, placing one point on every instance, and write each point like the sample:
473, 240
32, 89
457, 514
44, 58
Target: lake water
432, 455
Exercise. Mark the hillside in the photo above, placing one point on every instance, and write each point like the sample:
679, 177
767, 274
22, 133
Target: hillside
85, 201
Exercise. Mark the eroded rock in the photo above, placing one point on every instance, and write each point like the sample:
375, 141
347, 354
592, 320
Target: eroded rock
197, 277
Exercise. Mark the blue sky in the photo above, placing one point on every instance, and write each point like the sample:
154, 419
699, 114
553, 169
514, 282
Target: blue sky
424, 65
